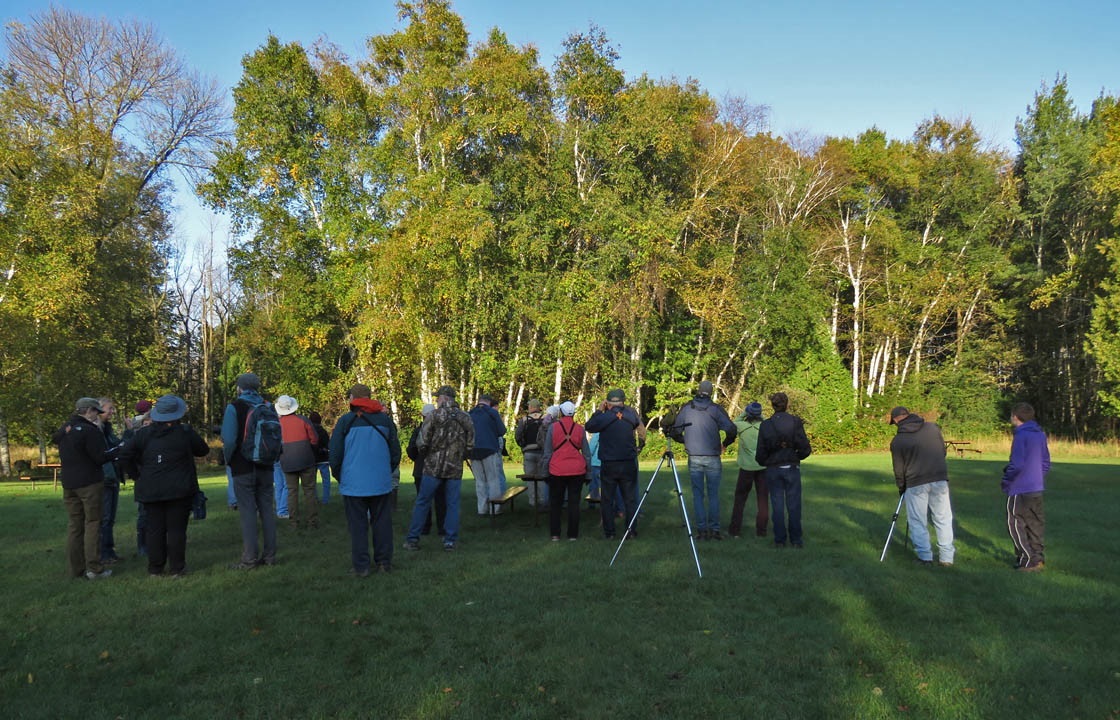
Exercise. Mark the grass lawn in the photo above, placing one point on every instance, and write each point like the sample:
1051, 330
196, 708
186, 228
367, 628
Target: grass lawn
512, 625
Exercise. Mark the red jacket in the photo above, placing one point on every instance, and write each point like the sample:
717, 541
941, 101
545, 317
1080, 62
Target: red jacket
299, 441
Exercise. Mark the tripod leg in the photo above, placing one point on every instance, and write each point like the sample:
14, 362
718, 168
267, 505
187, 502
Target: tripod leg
638, 509
894, 521
684, 512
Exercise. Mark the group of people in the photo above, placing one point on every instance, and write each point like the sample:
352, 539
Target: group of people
264, 441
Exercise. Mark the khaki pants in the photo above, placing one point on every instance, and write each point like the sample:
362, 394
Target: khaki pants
83, 508
311, 505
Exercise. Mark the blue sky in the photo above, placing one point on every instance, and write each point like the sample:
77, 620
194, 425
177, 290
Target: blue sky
823, 68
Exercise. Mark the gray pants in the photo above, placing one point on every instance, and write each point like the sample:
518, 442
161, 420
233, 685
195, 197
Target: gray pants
533, 464
487, 480
254, 494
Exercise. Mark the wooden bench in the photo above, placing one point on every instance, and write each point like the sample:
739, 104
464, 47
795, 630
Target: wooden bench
960, 447
508, 497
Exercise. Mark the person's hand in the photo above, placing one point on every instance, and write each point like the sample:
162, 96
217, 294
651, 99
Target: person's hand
603, 406
901, 491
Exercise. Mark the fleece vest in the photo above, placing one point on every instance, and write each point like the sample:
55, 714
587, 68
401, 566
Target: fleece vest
567, 453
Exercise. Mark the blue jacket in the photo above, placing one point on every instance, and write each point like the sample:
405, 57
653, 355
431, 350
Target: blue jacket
488, 427
704, 419
365, 452
616, 427
1030, 461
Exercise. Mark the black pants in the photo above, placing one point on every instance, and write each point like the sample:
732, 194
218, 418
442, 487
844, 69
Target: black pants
622, 474
439, 500
364, 514
556, 487
167, 534
747, 478
1027, 526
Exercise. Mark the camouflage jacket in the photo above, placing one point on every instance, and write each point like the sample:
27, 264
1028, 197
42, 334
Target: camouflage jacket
446, 439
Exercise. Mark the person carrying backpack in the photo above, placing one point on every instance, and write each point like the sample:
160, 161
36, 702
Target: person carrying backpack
569, 465
525, 435
251, 440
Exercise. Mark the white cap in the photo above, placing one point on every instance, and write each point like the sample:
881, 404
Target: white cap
568, 408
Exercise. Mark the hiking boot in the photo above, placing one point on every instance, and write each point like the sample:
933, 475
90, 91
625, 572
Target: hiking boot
923, 562
411, 545
631, 534
364, 572
448, 547
91, 575
715, 535
1025, 568
242, 565
385, 568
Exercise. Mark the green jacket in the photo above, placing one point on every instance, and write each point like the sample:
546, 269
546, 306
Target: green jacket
748, 442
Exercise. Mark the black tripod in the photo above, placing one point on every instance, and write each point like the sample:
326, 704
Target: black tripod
667, 455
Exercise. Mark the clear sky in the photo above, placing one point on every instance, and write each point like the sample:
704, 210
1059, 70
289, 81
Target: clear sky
823, 67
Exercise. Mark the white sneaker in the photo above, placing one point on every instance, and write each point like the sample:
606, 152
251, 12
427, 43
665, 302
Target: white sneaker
91, 575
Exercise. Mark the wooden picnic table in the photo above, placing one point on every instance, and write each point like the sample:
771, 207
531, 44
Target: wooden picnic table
536, 493
960, 447
34, 477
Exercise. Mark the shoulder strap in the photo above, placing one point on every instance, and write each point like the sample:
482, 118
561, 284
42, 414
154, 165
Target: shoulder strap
567, 436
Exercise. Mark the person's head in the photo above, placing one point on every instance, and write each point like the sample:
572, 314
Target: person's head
445, 394
616, 397
553, 410
315, 418
286, 405
247, 382
486, 399
898, 414
1022, 413
705, 389
534, 405
143, 406
753, 411
427, 410
779, 401
108, 407
89, 409
169, 408
358, 390
567, 408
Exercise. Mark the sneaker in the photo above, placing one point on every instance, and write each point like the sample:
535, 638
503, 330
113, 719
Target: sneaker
241, 565
555, 538
285, 516
923, 562
91, 575
385, 568
364, 572
609, 537
798, 546
448, 547
942, 563
715, 535
1025, 568
180, 575
111, 560
631, 534
572, 539
411, 545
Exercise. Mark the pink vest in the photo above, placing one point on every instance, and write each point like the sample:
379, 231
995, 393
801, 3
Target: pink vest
567, 456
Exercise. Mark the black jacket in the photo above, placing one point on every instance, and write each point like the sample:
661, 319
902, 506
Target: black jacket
918, 452
82, 451
415, 454
782, 441
323, 449
162, 457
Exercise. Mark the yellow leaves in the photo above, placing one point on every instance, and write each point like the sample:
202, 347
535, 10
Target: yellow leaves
313, 338
104, 655
293, 171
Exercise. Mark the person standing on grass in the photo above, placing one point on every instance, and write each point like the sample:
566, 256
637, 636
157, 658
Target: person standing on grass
446, 439
1024, 481
525, 435
298, 461
365, 455
83, 453
621, 437
782, 445
161, 456
698, 425
750, 473
110, 498
417, 457
918, 453
569, 465
322, 454
486, 458
252, 482
141, 517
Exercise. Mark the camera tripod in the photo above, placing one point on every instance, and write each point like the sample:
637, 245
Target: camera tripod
667, 455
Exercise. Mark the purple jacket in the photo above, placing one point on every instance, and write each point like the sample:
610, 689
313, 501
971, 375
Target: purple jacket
1030, 461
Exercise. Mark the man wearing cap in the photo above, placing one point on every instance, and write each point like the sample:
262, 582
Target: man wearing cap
417, 457
486, 460
782, 445
83, 452
918, 453
298, 460
698, 424
252, 484
365, 459
750, 473
446, 439
622, 435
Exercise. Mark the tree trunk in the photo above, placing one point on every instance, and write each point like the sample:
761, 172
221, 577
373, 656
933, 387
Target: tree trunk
5, 451
559, 372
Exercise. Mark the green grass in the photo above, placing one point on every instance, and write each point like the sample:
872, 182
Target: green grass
512, 625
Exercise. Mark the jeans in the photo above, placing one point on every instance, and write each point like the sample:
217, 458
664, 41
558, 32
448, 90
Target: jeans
428, 488
617, 476
231, 497
707, 468
325, 477
167, 535
280, 488
110, 496
363, 514
440, 502
487, 480
923, 501
83, 509
306, 479
784, 484
255, 498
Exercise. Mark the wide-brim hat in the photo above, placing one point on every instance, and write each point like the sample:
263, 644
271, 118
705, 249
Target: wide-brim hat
88, 403
286, 405
168, 408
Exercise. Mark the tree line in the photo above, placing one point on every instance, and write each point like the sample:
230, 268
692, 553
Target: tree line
441, 212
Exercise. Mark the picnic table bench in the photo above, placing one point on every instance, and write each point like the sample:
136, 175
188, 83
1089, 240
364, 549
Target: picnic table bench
34, 474
507, 497
960, 447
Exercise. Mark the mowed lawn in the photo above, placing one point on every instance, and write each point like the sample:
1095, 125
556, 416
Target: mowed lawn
512, 625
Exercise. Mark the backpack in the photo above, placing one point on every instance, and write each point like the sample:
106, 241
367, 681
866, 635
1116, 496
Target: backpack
263, 440
529, 433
